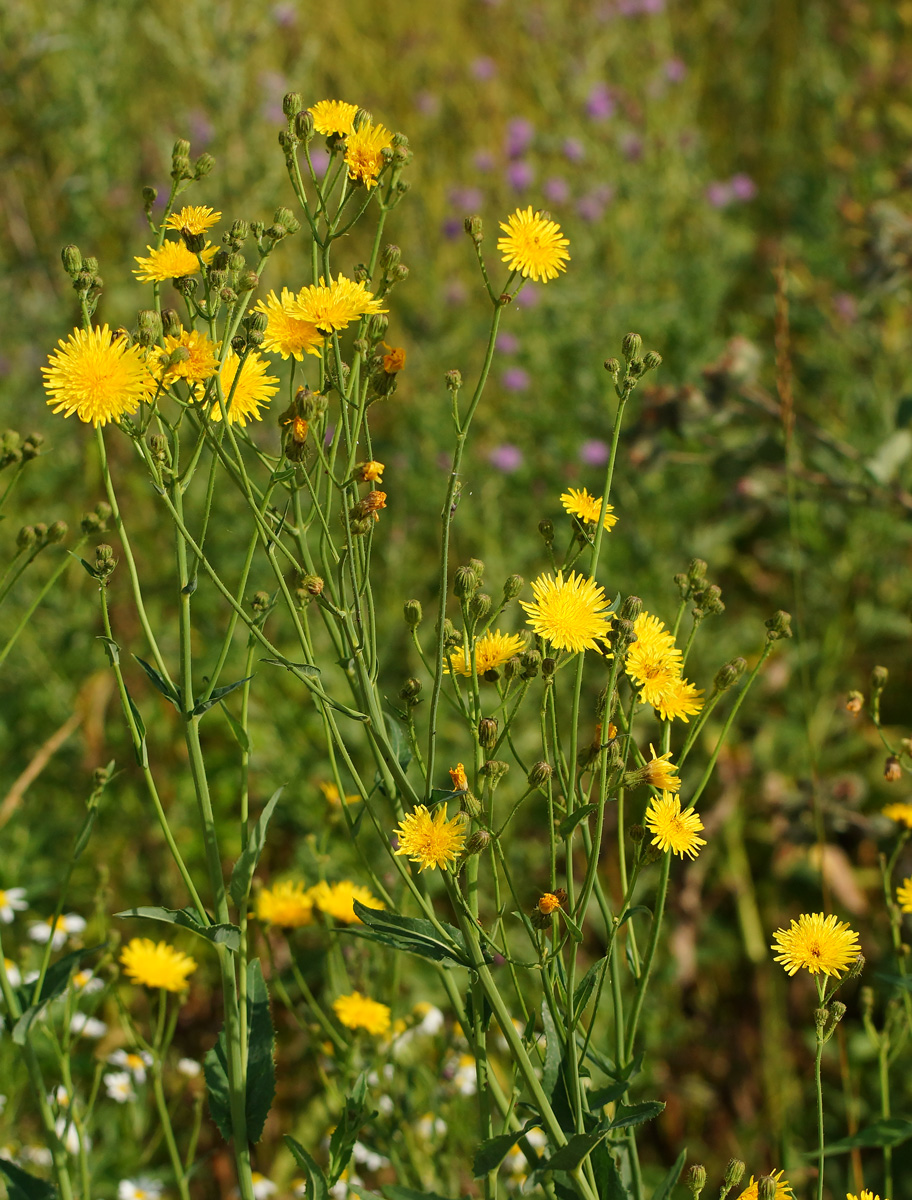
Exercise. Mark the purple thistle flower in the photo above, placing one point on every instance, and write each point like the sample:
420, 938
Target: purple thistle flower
594, 453
507, 343
515, 379
557, 190
506, 458
573, 150
528, 297
742, 186
520, 135
520, 175
600, 103
483, 68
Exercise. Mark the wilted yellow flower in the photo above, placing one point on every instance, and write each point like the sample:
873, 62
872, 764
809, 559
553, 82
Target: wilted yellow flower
817, 943
533, 246
371, 472
287, 904
360, 1012
201, 363
98, 377
337, 899
333, 116
660, 772
568, 613
492, 650
674, 830
333, 306
458, 778
587, 508
286, 334
171, 261
431, 841
254, 387
364, 153
549, 902
156, 964
393, 360
195, 218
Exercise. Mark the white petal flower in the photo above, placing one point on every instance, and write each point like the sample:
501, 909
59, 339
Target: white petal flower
57, 934
13, 973
119, 1086
432, 1019
368, 1158
12, 900
263, 1188
87, 983
139, 1189
134, 1061
39, 1156
465, 1080
89, 1027
69, 1135
189, 1067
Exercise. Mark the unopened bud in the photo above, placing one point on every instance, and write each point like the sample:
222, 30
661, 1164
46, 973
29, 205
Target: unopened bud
487, 732
203, 166
260, 603
651, 360
512, 587
696, 1179
453, 380
292, 104
412, 612
105, 562
512, 667
631, 346
57, 532
26, 537
734, 1172
465, 583
636, 833
779, 626
709, 601
170, 322
879, 677
479, 606
451, 635
477, 843
631, 608
531, 661
304, 126
390, 257
149, 195
612, 366
837, 1012
470, 805
767, 1186
539, 774
410, 690
729, 675
821, 1016
548, 667
474, 227
31, 447
494, 770
72, 259
546, 529
892, 772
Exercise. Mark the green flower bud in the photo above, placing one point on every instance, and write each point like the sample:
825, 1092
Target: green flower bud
26, 537
304, 126
149, 195
470, 805
410, 691
31, 447
696, 1179
879, 677
57, 532
631, 346
292, 104
539, 774
512, 667
479, 606
612, 366
453, 380
512, 587
72, 259
487, 732
477, 843
170, 322
413, 613
636, 833
546, 529
390, 257
651, 360
531, 661
465, 583
734, 1172
260, 603
729, 674
203, 166
105, 562
548, 667
779, 626
767, 1186
494, 770
631, 608
474, 227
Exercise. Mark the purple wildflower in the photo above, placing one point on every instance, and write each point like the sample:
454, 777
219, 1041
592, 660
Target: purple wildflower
466, 199
515, 379
718, 194
520, 135
594, 453
483, 68
507, 343
600, 103
574, 150
520, 175
484, 160
320, 159
557, 190
506, 458
675, 70
742, 186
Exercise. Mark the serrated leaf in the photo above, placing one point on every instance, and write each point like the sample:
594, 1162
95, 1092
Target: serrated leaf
400, 743
491, 1153
22, 1186
218, 1090
355, 1115
111, 649
609, 1185
260, 1052
240, 733
317, 1187
160, 683
628, 1115
220, 935
204, 705
244, 868
569, 1157
579, 815
666, 1187
413, 934
890, 1132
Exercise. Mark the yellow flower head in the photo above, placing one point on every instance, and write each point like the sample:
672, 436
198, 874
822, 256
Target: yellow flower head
458, 778
200, 364
533, 245
360, 1012
900, 811
333, 306
286, 334
674, 698
337, 900
817, 943
156, 964
170, 262
364, 153
783, 1188
394, 359
661, 773
568, 613
866, 1194
549, 902
431, 841
587, 508
333, 116
287, 905
371, 472
492, 650
331, 792
672, 829
653, 656
904, 895
195, 218
254, 387
97, 376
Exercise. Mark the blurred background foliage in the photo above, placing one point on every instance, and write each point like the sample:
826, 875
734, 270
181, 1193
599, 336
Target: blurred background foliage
690, 152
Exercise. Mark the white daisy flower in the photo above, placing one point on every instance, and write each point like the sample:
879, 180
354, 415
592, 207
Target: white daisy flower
69, 1135
189, 1067
432, 1019
134, 1061
139, 1189
13, 973
119, 1086
12, 900
89, 1027
39, 1156
299, 1188
86, 982
263, 1188
430, 1126
57, 934
60, 1096
368, 1158
385, 1106
464, 1078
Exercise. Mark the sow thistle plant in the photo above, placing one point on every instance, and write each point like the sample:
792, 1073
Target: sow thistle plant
557, 718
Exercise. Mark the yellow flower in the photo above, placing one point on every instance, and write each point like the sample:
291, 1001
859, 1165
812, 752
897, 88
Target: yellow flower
674, 830
866, 1194
286, 334
195, 218
568, 613
156, 964
783, 1188
170, 262
533, 245
201, 363
492, 650
394, 359
364, 153
337, 899
653, 660
333, 116
97, 376
901, 812
331, 792
549, 902
360, 1012
254, 387
333, 306
660, 772
817, 943
677, 699
458, 778
587, 508
904, 895
287, 905
431, 841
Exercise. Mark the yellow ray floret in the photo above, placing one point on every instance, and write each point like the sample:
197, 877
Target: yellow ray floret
900, 811
431, 841
200, 364
817, 943
330, 307
364, 153
286, 905
333, 116
285, 333
569, 613
336, 900
97, 376
783, 1188
492, 650
171, 261
587, 508
360, 1012
195, 218
533, 245
253, 388
672, 829
156, 964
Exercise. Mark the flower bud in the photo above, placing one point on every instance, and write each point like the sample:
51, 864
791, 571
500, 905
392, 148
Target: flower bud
453, 380
410, 691
531, 661
696, 571
854, 702
631, 608
470, 805
837, 1012
779, 626
479, 606
734, 1172
465, 583
696, 1180
709, 601
512, 667
767, 1186
105, 562
631, 346
512, 587
451, 635
612, 366
729, 675
170, 322
892, 770
72, 259
260, 603
149, 195
477, 843
494, 770
90, 523
31, 447
821, 1016
304, 126
651, 360
292, 104
26, 537
539, 774
548, 667
879, 677
487, 732
390, 257
546, 529
474, 227
57, 532
203, 166
636, 833
413, 613
186, 285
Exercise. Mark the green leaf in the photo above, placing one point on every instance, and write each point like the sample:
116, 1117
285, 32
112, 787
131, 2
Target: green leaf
413, 934
628, 1115
609, 1184
85, 832
900, 981
632, 911
317, 1187
491, 1153
111, 647
441, 795
355, 1115
220, 935
609, 1068
242, 875
599, 1097
142, 754
586, 987
299, 669
552, 1052
579, 815
55, 982
395, 1191
22, 1186
218, 1090
260, 1052
88, 566
204, 705
666, 1187
163, 686
238, 730
891, 1132
569, 1157
364, 1193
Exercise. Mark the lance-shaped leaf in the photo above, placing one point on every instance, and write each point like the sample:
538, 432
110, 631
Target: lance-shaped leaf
170, 693
491, 1153
22, 1186
892, 1131
666, 1187
317, 1187
203, 706
218, 1089
260, 1052
242, 875
355, 1115
187, 918
413, 934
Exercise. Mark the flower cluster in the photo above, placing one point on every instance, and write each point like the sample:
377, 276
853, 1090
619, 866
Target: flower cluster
654, 663
289, 904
